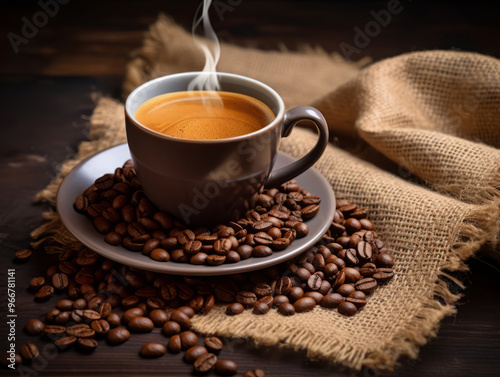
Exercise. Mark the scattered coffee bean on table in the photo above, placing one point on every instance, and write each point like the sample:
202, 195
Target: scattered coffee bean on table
120, 210
105, 299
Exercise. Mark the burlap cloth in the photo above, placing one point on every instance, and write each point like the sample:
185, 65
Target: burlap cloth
430, 118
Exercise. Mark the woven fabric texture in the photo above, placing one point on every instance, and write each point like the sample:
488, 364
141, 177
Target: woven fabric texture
423, 131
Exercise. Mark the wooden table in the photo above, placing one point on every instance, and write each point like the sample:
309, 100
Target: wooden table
46, 100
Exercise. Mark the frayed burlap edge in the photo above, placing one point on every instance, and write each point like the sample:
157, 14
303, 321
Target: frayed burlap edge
479, 226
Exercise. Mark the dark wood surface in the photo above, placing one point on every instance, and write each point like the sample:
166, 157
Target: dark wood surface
46, 100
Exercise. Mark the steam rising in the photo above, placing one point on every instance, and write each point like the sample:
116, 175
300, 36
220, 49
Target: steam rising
207, 80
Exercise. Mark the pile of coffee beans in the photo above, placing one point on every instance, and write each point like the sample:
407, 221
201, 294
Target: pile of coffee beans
101, 300
120, 210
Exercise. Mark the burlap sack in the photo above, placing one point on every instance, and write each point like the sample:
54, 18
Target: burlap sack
428, 116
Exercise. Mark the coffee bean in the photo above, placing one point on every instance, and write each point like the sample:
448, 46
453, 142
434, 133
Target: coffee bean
174, 344
304, 304
351, 275
100, 326
46, 292
245, 298
118, 335
37, 282
347, 308
316, 296
86, 344
339, 279
193, 353
295, 294
331, 300
345, 289
21, 256
213, 344
262, 238
226, 367
181, 318
160, 255
286, 309
268, 300
383, 274
62, 318
34, 327
235, 308
310, 211
261, 251
171, 328
254, 373
356, 301
81, 203
366, 224
159, 317
91, 315
368, 269
283, 286
65, 342
169, 292
261, 308
366, 285
384, 260
152, 350
205, 362
29, 351
314, 282
54, 330
215, 259
364, 250
141, 324
301, 229
113, 319
80, 330
279, 299
351, 257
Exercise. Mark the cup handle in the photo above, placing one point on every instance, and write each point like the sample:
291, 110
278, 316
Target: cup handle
291, 118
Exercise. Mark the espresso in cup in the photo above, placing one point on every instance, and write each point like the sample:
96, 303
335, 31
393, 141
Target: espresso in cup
204, 115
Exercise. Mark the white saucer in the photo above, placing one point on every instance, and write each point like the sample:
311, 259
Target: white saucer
106, 161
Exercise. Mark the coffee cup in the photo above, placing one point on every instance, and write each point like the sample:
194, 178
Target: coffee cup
208, 182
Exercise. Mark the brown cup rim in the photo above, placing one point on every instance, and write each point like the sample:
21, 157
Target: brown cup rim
234, 77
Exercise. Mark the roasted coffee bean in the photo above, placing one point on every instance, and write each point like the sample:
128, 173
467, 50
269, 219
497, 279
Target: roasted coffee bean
351, 275
268, 300
181, 318
91, 315
314, 282
316, 296
368, 269
184, 292
260, 308
383, 274
113, 319
345, 289
81, 203
118, 335
366, 285
160, 255
193, 353
171, 328
310, 211
46, 292
286, 309
351, 257
152, 350
86, 344
132, 313
215, 259
100, 326
226, 367
174, 344
188, 339
283, 286
304, 304
205, 362
213, 344
356, 301
352, 225
364, 250
29, 351
150, 245
331, 300
37, 282
232, 257
330, 270
102, 225
65, 342
141, 324
245, 298
54, 330
62, 318
159, 317
185, 236
34, 326
279, 299
260, 251
339, 279
262, 238
169, 292
384, 260
254, 373
295, 294
235, 308
347, 308
301, 229
22, 255
281, 243
52, 314
262, 226
209, 304
80, 330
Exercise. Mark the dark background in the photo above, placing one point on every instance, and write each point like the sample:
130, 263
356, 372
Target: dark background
45, 99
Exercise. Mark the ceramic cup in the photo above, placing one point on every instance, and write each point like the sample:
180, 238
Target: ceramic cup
212, 181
